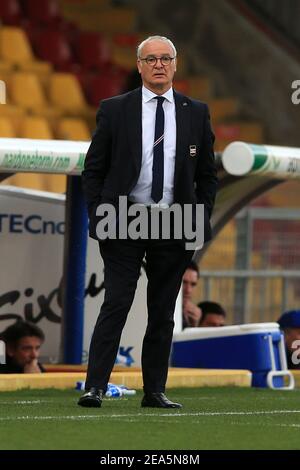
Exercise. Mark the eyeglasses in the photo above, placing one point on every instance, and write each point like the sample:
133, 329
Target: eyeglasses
164, 60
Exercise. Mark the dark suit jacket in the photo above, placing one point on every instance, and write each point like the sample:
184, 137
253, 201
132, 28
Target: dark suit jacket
113, 161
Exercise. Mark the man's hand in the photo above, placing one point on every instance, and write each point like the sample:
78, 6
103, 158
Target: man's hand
32, 367
191, 313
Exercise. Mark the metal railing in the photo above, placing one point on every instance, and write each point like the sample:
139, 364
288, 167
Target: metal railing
266, 293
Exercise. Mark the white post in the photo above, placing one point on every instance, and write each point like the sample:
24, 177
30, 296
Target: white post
240, 159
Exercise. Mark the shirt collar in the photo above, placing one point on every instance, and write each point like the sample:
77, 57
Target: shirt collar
148, 95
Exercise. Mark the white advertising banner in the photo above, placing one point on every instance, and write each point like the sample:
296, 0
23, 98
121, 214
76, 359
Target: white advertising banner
31, 253
42, 156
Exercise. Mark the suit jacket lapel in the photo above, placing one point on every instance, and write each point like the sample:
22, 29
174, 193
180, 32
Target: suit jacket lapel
133, 112
183, 130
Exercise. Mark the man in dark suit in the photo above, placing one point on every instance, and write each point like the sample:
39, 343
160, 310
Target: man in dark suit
155, 147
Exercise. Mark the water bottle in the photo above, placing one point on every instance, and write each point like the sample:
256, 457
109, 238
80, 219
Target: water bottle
80, 385
127, 391
113, 391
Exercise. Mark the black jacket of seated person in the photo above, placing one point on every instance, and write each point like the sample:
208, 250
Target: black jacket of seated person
12, 368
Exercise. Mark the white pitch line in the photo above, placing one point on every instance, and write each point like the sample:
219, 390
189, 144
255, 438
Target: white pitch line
134, 415
283, 425
199, 398
288, 425
24, 402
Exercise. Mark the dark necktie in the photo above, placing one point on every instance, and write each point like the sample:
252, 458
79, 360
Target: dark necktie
158, 152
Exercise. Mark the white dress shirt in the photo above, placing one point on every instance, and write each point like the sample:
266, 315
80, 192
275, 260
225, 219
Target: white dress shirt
141, 193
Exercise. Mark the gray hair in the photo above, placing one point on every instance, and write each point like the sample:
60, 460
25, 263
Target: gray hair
155, 38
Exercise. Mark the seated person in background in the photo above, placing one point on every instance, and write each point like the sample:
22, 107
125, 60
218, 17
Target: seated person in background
212, 314
191, 314
22, 343
290, 324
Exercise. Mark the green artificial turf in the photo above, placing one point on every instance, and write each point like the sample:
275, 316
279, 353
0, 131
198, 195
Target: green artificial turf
211, 418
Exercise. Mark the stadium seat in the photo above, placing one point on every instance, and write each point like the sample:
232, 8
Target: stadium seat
124, 50
93, 50
26, 91
42, 12
43, 182
125, 58
15, 49
10, 12
126, 40
108, 19
35, 127
84, 78
53, 47
14, 113
6, 127
73, 129
105, 86
114, 20
5, 67
66, 94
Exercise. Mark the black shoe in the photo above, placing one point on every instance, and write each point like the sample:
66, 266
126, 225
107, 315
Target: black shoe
158, 400
92, 398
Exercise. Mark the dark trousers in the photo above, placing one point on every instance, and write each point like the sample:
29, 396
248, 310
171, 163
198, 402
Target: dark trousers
166, 261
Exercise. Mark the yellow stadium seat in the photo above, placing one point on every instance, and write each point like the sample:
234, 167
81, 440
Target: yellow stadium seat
73, 129
26, 91
91, 17
42, 182
6, 127
5, 67
14, 113
65, 93
114, 20
35, 127
124, 57
16, 49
